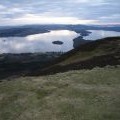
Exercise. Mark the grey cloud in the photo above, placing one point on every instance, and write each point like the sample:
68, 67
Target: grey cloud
81, 9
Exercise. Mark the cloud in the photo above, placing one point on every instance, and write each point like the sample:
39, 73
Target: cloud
65, 11
2, 7
40, 19
114, 16
88, 1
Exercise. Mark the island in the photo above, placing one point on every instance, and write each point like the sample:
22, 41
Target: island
57, 42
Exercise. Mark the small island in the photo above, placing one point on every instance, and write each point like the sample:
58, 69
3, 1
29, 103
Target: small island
57, 42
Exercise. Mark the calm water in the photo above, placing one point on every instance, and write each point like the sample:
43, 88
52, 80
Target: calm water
39, 42
43, 42
98, 34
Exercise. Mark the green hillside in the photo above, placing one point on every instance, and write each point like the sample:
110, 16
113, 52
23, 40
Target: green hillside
74, 95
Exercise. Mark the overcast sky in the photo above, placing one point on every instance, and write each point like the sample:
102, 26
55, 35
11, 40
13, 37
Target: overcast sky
19, 12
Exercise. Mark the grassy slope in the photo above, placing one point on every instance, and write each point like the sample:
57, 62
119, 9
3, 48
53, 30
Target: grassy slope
97, 53
96, 48
74, 95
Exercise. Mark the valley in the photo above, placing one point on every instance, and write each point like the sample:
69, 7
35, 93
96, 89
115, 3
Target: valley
79, 84
59, 59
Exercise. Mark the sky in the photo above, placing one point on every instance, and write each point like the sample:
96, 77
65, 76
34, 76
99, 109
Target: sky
22, 12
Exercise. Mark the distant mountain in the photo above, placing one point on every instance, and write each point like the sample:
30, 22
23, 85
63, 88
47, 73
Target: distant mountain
22, 31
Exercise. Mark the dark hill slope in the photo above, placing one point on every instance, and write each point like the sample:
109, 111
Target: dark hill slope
97, 53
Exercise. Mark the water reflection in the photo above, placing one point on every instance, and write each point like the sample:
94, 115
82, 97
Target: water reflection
44, 42
38, 42
98, 34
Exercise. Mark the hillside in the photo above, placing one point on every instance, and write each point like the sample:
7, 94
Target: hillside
74, 95
17, 64
97, 53
22, 31
89, 93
